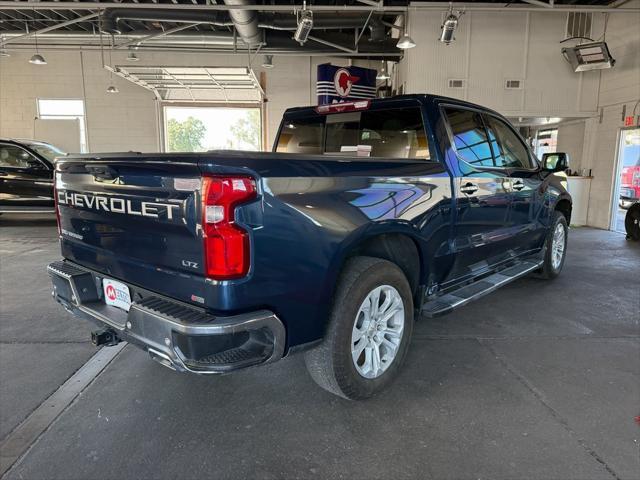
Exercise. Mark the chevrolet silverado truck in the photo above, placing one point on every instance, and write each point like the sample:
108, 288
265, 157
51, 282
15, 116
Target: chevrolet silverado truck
364, 216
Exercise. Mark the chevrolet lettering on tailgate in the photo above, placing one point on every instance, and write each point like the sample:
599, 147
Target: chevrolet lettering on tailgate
115, 204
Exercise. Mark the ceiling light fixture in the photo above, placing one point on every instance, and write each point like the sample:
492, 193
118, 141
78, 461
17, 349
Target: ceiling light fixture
111, 88
450, 25
132, 57
405, 42
267, 62
3, 51
305, 24
36, 59
382, 74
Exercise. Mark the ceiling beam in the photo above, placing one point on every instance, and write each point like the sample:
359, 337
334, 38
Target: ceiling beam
51, 28
138, 41
48, 5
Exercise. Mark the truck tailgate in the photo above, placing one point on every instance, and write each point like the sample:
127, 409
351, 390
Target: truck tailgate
135, 219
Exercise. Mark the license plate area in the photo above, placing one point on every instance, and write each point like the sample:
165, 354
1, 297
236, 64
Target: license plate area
116, 294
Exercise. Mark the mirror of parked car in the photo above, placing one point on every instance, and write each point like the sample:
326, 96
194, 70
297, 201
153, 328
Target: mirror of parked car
555, 162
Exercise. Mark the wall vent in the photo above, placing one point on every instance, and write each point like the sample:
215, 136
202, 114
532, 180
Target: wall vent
511, 84
456, 83
579, 24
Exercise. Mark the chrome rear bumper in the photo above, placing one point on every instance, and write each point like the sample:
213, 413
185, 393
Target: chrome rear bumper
179, 336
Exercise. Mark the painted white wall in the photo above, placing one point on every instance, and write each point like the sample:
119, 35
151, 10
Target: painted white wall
571, 141
491, 47
619, 91
129, 120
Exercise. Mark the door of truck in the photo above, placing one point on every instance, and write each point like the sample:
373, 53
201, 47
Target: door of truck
526, 216
25, 181
482, 235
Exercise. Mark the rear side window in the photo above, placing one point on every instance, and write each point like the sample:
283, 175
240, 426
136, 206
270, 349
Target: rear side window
469, 137
302, 136
392, 133
508, 149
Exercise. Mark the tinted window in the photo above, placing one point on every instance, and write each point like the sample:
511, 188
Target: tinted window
469, 137
302, 136
395, 133
508, 149
14, 157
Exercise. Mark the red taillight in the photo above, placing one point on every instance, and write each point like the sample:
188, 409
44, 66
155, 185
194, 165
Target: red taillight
226, 245
55, 205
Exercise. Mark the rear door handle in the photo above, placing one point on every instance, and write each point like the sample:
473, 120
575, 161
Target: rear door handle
469, 188
518, 185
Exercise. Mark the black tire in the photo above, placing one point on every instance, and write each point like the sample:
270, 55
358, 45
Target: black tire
548, 271
330, 364
632, 222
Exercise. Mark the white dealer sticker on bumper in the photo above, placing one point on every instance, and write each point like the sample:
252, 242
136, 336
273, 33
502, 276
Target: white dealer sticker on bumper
116, 294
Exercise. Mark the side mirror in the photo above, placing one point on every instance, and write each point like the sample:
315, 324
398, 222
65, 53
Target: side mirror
555, 162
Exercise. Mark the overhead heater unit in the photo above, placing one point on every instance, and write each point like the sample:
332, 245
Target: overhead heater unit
589, 56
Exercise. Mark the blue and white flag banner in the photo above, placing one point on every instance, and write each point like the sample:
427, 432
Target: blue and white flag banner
343, 84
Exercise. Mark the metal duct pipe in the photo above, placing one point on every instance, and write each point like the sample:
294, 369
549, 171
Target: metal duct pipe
111, 18
246, 22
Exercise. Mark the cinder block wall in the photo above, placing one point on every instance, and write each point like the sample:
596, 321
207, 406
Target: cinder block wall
130, 120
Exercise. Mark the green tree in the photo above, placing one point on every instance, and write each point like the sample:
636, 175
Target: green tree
247, 130
185, 136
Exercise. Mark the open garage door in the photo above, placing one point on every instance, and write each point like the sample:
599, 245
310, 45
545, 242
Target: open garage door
196, 84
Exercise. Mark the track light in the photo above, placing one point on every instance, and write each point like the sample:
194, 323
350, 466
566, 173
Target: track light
267, 61
450, 25
37, 59
305, 24
132, 57
112, 89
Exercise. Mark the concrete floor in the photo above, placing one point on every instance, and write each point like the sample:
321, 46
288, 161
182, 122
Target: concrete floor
539, 380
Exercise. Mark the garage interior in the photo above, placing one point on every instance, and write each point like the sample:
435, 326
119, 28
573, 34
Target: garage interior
538, 380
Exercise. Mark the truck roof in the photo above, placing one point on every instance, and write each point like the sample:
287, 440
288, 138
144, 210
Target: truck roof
424, 98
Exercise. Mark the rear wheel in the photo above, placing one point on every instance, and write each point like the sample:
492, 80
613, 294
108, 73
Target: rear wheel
555, 247
369, 330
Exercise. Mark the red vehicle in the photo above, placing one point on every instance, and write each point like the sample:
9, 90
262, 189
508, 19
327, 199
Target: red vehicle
630, 177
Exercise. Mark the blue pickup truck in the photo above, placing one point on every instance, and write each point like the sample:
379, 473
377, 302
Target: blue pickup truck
365, 216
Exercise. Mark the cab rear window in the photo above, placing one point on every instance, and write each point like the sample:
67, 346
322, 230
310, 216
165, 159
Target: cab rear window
395, 133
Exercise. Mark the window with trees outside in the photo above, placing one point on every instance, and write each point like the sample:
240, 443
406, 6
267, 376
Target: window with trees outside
200, 129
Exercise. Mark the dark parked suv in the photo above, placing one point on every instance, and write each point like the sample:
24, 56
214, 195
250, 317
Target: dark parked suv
26, 176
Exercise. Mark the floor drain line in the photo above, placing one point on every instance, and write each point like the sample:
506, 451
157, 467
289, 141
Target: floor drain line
16, 444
